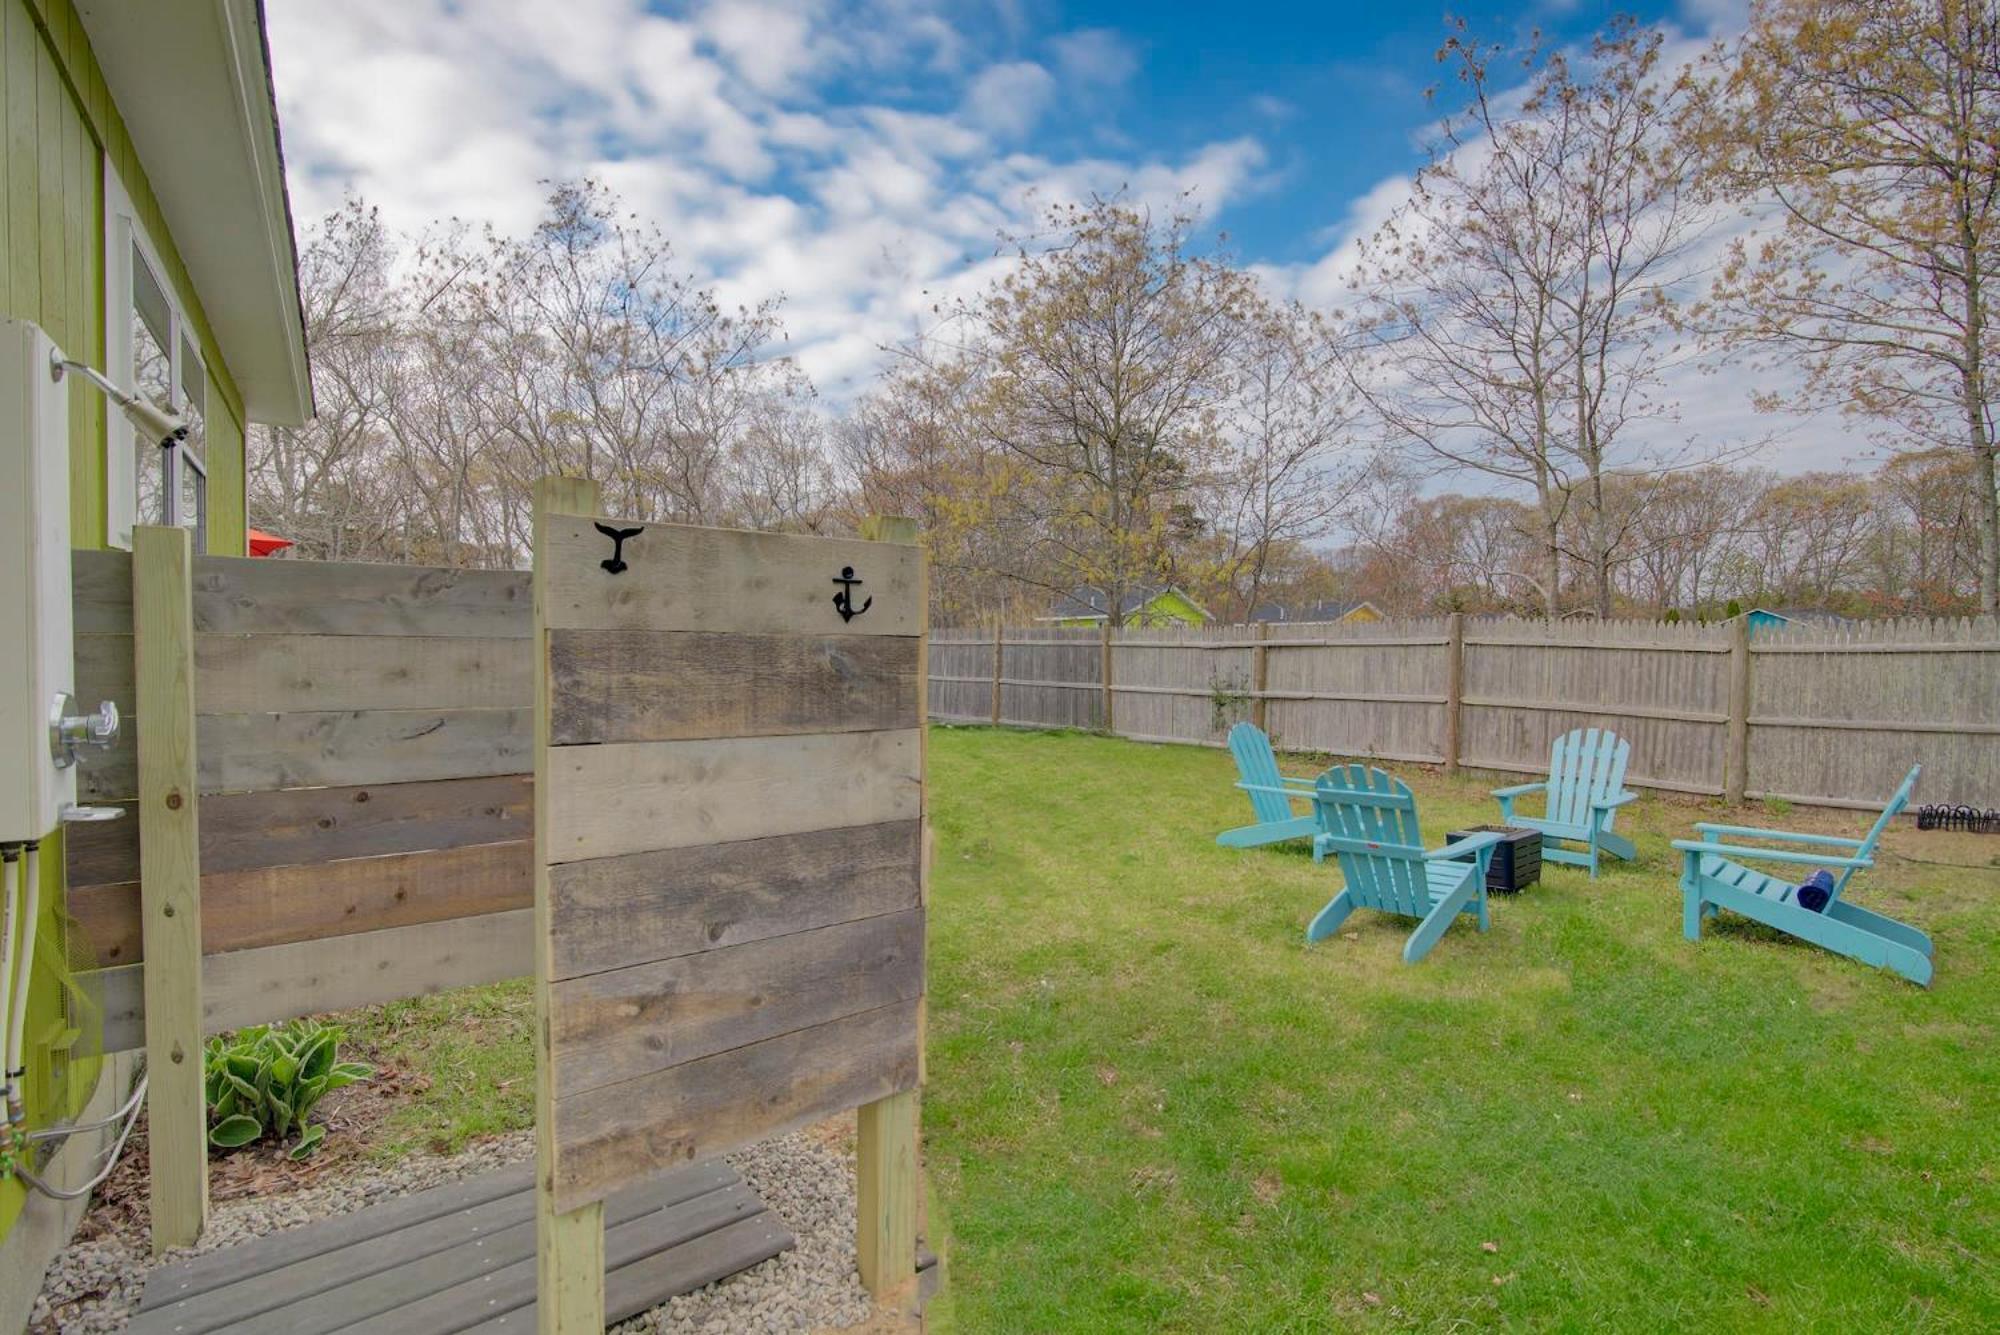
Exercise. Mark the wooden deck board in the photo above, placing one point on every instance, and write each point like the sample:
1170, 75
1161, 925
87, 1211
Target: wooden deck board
460, 1255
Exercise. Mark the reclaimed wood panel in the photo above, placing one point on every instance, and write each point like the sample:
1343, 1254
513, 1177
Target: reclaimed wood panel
275, 983
619, 1133
613, 912
268, 906
244, 831
619, 1025
637, 685
256, 752
101, 591
276, 674
704, 579
631, 797
371, 746
730, 831
104, 671
237, 594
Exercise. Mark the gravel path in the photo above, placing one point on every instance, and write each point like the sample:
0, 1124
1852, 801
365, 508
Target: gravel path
94, 1286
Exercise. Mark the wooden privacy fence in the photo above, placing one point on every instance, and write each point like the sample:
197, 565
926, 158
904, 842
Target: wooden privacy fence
1825, 716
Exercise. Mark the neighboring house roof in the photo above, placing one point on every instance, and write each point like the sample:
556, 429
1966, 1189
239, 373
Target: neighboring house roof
192, 80
1333, 610
1086, 604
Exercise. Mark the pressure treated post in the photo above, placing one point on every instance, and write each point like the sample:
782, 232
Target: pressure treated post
169, 881
1260, 677
1104, 676
569, 1248
999, 637
1736, 762
1454, 690
885, 1140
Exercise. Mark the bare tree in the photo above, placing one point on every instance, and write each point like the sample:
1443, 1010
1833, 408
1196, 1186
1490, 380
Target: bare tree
1289, 472
1871, 130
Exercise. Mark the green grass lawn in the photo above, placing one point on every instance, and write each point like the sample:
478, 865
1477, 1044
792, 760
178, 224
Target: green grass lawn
1153, 1107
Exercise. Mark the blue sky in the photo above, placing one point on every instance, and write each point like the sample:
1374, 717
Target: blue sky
857, 158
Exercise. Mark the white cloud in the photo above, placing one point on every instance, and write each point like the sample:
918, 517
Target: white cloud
1009, 99
778, 144
1095, 56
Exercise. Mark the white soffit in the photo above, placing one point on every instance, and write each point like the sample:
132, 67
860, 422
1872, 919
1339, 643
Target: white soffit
192, 81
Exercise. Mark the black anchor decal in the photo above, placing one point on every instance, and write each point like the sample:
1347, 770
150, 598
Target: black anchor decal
616, 561
843, 601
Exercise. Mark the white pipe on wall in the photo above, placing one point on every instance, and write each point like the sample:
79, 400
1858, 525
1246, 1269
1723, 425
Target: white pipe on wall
10, 894
24, 967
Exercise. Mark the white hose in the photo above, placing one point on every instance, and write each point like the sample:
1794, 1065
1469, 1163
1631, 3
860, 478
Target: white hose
9, 906
24, 967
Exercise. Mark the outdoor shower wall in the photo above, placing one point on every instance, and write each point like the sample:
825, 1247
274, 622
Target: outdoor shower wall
363, 738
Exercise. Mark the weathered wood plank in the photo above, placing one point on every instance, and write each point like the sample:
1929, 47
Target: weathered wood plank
629, 797
245, 831
104, 671
372, 746
614, 912
622, 1132
257, 752
337, 973
507, 1294
464, 1270
639, 686
170, 908
617, 1026
100, 592
247, 1261
268, 906
275, 674
245, 594
681, 578
333, 1272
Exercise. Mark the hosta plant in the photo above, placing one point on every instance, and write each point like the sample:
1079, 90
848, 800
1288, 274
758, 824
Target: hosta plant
266, 1081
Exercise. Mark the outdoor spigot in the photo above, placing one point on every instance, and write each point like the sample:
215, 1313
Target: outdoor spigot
70, 729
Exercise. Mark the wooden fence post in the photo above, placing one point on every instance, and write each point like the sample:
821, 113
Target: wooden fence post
1104, 675
1260, 677
1454, 690
1736, 761
885, 1143
569, 1246
999, 634
170, 881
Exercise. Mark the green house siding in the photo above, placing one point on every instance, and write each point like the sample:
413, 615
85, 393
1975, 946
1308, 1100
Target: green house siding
60, 125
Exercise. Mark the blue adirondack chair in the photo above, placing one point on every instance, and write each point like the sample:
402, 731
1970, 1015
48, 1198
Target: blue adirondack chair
1585, 788
1370, 822
1271, 793
1713, 877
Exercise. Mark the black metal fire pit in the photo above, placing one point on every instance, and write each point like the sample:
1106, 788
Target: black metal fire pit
1517, 858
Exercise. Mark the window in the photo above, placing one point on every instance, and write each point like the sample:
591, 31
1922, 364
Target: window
152, 350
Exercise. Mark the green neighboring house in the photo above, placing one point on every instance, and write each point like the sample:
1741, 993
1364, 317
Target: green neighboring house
146, 230
1148, 605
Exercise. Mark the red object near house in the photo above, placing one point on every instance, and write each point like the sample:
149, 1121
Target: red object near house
263, 544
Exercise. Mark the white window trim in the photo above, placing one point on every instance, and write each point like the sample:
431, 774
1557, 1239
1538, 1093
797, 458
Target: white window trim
123, 232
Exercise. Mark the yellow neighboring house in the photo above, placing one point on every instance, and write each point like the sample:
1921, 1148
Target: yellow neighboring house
1148, 605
